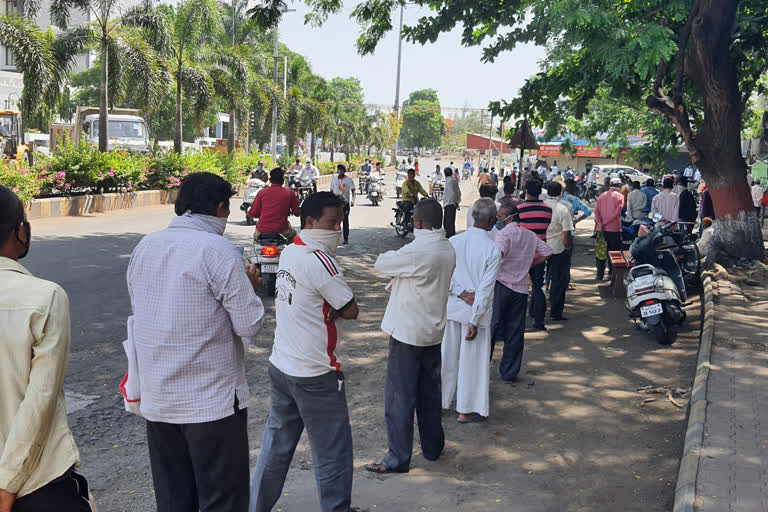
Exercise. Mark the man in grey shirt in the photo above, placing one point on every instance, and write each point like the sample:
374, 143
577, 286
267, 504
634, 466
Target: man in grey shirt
451, 201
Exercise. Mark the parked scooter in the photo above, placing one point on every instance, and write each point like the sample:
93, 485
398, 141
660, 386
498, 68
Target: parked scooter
400, 178
656, 290
374, 190
265, 253
630, 229
252, 187
401, 225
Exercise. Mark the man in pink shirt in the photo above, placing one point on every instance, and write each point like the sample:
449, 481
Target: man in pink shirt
608, 220
520, 250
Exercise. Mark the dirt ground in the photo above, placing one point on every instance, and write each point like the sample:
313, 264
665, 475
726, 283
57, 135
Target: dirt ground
571, 434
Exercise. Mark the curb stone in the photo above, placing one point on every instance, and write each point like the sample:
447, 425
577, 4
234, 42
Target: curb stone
685, 490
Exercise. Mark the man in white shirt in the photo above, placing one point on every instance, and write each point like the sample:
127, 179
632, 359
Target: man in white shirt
559, 239
37, 451
451, 202
688, 172
415, 320
467, 340
310, 172
757, 195
312, 303
666, 202
636, 201
344, 187
193, 302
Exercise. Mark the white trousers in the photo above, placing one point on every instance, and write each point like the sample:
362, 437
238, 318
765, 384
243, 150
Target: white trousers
466, 368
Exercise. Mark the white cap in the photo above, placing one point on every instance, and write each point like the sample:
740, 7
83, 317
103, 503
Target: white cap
615, 181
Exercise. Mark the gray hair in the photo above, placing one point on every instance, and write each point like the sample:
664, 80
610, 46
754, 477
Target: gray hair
483, 211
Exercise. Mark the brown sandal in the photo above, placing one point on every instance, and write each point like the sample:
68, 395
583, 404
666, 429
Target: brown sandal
382, 469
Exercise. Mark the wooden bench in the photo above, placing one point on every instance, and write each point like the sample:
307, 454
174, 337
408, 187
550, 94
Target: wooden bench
620, 263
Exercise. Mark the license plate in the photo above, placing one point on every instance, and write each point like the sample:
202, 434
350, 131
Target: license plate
647, 279
269, 268
647, 311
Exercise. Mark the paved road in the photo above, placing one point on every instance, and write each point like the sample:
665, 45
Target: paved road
570, 435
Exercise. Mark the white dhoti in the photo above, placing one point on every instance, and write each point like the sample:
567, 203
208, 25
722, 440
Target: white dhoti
466, 368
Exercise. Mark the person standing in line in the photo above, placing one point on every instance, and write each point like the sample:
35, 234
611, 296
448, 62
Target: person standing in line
687, 209
344, 187
608, 221
636, 202
521, 251
415, 321
187, 336
649, 190
666, 202
757, 195
38, 454
559, 235
467, 340
535, 215
307, 381
451, 202
486, 191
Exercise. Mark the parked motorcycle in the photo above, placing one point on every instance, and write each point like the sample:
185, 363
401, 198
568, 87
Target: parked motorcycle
252, 187
656, 290
374, 191
400, 178
402, 227
265, 253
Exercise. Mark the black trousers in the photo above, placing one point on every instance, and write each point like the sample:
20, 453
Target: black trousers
508, 324
413, 384
200, 466
560, 272
345, 222
613, 241
68, 493
449, 220
538, 300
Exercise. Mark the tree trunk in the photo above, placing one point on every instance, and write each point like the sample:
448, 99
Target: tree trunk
232, 131
332, 144
313, 147
716, 148
177, 136
103, 96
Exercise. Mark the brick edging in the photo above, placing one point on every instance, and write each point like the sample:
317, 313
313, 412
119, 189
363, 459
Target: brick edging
685, 490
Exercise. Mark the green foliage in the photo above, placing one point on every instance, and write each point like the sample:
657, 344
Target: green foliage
422, 120
24, 182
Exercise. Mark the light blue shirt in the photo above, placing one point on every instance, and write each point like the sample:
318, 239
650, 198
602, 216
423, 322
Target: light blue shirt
578, 204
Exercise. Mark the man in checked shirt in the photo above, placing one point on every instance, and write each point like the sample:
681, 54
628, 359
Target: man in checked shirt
192, 303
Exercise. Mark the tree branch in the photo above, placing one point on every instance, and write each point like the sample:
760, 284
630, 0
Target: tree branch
661, 72
685, 34
678, 116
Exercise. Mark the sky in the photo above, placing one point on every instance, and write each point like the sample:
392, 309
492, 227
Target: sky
456, 72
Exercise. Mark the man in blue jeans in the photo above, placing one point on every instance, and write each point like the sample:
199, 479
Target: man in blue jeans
311, 302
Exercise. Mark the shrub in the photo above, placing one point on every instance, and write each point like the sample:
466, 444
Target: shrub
23, 181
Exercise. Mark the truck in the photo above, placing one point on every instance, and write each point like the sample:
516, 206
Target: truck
127, 130
12, 146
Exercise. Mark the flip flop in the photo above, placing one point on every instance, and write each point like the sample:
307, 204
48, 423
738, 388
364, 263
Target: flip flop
382, 469
475, 419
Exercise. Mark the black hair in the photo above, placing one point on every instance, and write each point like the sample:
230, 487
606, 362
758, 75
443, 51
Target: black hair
509, 188
684, 181
636, 184
668, 183
314, 205
448, 172
201, 193
430, 212
533, 188
489, 191
649, 182
554, 189
411, 170
11, 213
277, 176
507, 179
341, 167
570, 187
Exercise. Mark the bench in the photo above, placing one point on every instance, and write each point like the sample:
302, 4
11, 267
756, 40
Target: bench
620, 263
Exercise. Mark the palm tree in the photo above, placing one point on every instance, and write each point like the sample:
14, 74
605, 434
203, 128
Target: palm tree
192, 24
129, 45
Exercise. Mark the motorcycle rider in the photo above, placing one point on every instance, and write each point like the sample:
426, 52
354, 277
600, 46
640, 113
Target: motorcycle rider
273, 205
411, 191
311, 173
436, 179
260, 172
344, 186
365, 174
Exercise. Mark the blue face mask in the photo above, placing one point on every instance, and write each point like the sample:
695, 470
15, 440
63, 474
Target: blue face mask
499, 224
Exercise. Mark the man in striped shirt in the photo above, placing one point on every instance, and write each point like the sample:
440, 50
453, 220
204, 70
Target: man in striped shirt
535, 215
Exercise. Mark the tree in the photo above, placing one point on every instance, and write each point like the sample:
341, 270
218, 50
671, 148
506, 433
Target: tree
422, 120
694, 61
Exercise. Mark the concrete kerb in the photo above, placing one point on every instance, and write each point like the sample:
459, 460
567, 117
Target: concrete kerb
685, 490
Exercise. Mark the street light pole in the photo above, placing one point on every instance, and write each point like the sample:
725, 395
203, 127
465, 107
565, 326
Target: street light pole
273, 141
397, 85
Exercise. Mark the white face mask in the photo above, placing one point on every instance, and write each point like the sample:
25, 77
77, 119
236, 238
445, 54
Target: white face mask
218, 224
328, 239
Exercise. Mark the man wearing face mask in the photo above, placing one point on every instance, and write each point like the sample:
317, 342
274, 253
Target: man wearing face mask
521, 250
415, 321
344, 187
312, 303
193, 302
260, 172
37, 452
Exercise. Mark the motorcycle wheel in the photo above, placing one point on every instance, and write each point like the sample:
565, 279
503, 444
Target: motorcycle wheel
269, 281
375, 201
662, 334
399, 229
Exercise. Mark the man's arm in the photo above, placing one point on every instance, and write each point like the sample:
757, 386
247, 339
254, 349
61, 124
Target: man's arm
401, 263
255, 211
235, 291
420, 188
295, 206
33, 419
485, 287
543, 252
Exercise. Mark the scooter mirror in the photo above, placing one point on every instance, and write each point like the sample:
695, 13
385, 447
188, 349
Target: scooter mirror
656, 217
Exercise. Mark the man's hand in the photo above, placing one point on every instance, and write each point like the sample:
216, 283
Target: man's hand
7, 499
468, 297
471, 332
254, 276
